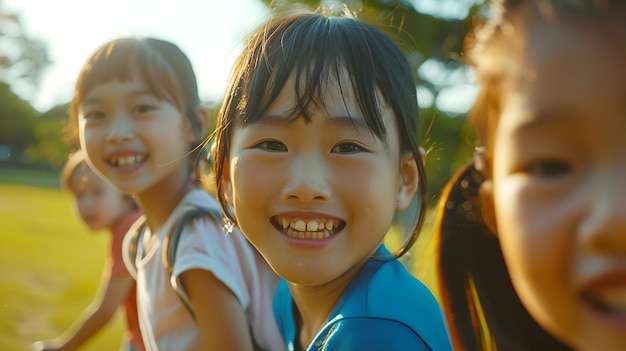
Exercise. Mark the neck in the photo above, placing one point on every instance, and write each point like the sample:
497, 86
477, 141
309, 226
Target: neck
158, 205
315, 304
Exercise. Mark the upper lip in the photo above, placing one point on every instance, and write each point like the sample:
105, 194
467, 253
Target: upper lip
612, 277
306, 215
605, 279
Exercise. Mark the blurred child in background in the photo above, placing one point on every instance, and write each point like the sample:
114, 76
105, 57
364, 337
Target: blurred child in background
100, 206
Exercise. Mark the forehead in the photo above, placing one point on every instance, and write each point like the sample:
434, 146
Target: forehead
335, 94
132, 87
571, 67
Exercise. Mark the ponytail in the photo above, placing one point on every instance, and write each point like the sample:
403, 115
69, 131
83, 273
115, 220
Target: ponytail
483, 309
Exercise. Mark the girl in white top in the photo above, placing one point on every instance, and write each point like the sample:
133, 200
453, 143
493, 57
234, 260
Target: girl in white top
139, 120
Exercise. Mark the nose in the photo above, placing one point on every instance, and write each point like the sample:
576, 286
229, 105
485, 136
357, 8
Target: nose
603, 228
120, 127
308, 178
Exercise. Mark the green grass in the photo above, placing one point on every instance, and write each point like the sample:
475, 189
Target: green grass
50, 268
46, 179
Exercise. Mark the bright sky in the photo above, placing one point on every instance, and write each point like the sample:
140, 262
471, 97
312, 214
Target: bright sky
211, 32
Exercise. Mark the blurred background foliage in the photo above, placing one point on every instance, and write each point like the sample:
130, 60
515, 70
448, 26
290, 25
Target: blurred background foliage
431, 33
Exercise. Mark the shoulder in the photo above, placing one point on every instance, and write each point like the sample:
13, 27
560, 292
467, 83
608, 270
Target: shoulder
390, 293
384, 287
392, 277
365, 333
196, 213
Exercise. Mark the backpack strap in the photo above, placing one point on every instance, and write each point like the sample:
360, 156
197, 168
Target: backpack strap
171, 240
170, 245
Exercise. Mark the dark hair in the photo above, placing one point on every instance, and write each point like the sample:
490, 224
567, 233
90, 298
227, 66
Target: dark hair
482, 307
75, 161
479, 300
161, 65
314, 48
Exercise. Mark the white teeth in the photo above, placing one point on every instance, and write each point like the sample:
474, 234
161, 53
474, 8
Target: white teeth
329, 225
311, 226
312, 229
127, 161
299, 226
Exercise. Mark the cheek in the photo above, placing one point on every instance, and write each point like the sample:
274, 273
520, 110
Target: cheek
84, 207
533, 241
249, 180
89, 141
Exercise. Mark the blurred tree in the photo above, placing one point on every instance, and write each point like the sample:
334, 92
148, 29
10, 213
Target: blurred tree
431, 32
50, 149
17, 119
22, 58
22, 61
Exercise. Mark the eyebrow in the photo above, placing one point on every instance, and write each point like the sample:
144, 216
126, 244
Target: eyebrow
540, 118
134, 93
357, 123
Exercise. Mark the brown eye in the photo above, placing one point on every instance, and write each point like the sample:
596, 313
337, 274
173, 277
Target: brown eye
347, 148
548, 169
143, 108
272, 145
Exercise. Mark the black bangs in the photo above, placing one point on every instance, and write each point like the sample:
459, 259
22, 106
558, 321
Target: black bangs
315, 50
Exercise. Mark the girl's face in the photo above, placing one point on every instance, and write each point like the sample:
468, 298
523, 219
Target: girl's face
98, 204
559, 181
316, 199
133, 139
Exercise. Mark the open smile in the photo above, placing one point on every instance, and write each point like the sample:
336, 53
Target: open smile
308, 229
126, 161
612, 301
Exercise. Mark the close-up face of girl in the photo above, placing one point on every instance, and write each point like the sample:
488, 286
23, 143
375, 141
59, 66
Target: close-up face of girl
132, 138
317, 198
559, 178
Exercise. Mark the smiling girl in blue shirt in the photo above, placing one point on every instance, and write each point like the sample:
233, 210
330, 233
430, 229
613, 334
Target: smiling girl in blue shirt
316, 151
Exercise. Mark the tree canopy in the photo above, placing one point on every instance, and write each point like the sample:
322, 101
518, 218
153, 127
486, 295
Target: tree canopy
22, 61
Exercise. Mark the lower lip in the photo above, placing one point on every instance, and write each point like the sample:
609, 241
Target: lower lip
308, 243
617, 322
127, 170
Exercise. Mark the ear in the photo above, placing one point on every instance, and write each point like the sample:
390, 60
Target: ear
487, 207
195, 135
227, 185
409, 182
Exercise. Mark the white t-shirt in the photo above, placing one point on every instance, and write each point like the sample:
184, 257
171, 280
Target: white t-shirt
164, 321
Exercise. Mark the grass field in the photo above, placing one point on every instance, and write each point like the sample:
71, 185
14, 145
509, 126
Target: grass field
50, 266
50, 263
